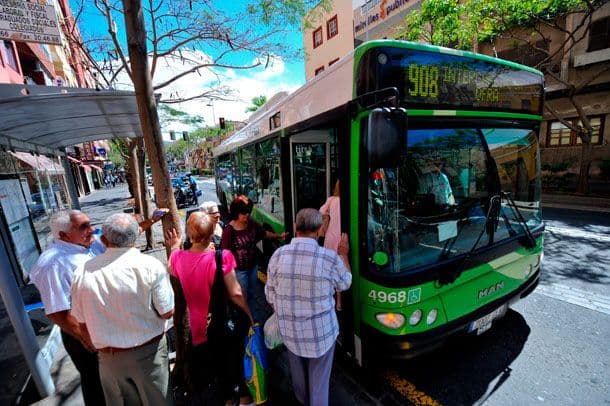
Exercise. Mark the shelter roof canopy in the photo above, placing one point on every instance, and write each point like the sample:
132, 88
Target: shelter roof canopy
46, 119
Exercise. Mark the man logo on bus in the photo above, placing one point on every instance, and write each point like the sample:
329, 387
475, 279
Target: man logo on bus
414, 296
492, 289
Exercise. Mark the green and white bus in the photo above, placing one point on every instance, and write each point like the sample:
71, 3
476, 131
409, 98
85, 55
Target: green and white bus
438, 157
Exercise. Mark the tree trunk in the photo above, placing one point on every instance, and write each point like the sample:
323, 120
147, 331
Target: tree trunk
132, 171
586, 157
149, 120
143, 191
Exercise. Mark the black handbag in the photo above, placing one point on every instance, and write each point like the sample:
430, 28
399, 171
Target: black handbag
223, 315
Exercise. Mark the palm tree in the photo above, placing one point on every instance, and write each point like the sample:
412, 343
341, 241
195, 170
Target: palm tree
257, 102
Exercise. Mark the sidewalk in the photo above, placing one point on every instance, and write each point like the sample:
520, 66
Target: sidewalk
98, 206
575, 202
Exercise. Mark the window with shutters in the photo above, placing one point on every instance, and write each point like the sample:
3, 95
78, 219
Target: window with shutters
560, 135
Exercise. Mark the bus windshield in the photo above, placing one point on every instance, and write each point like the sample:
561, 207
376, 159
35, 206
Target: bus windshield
435, 204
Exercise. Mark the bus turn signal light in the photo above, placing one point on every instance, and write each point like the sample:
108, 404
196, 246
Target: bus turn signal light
391, 320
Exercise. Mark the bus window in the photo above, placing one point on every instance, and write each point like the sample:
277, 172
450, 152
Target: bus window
441, 188
310, 158
268, 178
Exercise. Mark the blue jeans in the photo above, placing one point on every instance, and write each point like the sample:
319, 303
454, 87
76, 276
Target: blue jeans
248, 280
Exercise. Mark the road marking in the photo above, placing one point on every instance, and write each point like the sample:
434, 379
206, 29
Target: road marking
588, 299
407, 390
578, 233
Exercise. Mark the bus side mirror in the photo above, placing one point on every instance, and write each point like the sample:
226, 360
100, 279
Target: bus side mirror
386, 137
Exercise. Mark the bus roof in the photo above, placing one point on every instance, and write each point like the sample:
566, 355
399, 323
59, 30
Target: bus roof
332, 88
328, 90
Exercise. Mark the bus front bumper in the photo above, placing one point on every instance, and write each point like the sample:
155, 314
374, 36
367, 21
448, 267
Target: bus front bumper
379, 345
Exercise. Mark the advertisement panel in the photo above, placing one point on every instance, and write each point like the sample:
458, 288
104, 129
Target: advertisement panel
25, 21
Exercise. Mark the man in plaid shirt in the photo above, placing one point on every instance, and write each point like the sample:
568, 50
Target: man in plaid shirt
302, 278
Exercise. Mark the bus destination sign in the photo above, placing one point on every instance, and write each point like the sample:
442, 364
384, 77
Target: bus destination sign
440, 81
480, 84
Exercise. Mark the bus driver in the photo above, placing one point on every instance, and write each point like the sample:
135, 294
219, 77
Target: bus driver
435, 182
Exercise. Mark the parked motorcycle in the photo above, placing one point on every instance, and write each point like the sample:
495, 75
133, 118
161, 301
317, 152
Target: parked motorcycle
183, 194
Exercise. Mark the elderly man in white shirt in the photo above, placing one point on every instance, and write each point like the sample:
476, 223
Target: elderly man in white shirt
73, 245
123, 299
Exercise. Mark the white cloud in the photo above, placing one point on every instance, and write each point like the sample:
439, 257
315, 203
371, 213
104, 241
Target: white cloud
246, 84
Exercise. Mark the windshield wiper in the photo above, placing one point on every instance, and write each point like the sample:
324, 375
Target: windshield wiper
491, 223
530, 241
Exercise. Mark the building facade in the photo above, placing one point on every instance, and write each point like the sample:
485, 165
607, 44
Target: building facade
327, 36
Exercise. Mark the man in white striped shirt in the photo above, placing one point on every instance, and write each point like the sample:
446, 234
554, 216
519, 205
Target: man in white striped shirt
123, 298
302, 278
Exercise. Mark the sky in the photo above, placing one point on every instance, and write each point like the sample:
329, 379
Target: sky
279, 75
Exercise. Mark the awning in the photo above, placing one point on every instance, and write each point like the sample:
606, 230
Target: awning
46, 119
40, 163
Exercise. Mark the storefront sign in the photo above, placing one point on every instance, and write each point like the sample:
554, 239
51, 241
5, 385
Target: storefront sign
373, 12
25, 21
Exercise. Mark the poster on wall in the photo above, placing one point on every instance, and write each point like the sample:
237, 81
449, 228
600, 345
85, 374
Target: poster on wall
16, 215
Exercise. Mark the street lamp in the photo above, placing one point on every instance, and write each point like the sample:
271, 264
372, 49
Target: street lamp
211, 104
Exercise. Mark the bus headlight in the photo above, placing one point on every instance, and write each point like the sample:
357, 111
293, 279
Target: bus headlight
415, 317
431, 316
391, 320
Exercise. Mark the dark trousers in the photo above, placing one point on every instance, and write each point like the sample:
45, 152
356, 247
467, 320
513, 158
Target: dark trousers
219, 369
311, 377
87, 365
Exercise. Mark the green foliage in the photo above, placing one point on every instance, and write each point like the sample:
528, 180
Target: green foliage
257, 102
118, 151
170, 114
116, 157
178, 148
604, 168
458, 24
555, 167
286, 11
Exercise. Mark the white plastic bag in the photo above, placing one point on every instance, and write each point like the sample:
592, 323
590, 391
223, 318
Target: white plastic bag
273, 339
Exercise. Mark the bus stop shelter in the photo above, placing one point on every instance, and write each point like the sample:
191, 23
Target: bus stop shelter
43, 121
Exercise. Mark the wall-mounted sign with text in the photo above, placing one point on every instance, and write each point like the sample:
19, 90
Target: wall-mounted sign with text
23, 21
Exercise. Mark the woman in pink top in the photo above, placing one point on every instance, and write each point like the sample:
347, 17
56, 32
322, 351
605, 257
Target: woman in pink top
195, 268
332, 209
331, 212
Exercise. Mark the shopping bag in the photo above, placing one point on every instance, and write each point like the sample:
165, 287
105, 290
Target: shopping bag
255, 364
273, 339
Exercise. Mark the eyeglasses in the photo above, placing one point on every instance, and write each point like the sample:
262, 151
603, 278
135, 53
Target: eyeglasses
84, 226
214, 212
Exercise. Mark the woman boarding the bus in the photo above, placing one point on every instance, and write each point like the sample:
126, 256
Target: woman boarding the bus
241, 236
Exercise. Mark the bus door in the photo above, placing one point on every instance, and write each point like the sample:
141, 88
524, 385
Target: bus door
309, 164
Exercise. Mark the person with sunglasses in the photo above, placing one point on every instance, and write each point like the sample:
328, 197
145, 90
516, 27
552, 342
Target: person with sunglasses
241, 236
75, 242
211, 209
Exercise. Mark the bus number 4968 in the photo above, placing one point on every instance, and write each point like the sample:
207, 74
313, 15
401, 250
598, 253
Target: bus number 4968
385, 297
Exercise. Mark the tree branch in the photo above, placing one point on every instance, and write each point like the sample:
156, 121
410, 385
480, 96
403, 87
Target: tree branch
201, 66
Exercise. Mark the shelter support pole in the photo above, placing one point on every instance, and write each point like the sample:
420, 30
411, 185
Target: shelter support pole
13, 302
71, 181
